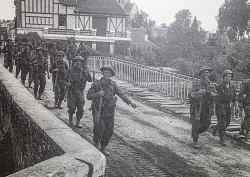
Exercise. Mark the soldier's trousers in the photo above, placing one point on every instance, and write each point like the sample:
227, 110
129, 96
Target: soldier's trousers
60, 91
223, 113
26, 70
201, 125
245, 126
8, 63
18, 68
39, 84
103, 130
53, 80
75, 102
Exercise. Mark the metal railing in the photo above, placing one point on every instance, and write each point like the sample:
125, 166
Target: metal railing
116, 34
72, 32
169, 84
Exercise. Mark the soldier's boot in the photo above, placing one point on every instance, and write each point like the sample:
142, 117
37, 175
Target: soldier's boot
78, 123
30, 84
11, 68
39, 97
59, 105
71, 119
246, 136
195, 142
222, 141
214, 130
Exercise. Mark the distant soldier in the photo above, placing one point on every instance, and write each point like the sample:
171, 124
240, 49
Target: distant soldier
83, 51
245, 95
33, 54
60, 70
52, 53
201, 104
8, 55
224, 101
25, 61
78, 76
71, 51
40, 68
103, 95
18, 51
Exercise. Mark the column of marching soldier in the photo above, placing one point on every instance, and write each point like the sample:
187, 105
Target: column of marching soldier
69, 78
208, 98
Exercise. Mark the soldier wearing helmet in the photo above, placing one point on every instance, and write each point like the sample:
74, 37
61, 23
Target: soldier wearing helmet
77, 78
8, 55
40, 69
103, 96
224, 101
59, 55
71, 50
201, 99
60, 71
245, 96
25, 61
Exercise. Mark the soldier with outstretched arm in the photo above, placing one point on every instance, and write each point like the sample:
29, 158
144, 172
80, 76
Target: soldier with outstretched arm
103, 96
201, 99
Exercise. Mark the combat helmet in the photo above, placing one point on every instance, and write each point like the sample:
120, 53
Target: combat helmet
60, 53
203, 69
228, 71
109, 68
78, 58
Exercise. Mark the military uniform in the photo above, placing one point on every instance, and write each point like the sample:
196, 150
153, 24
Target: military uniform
201, 106
60, 69
77, 78
103, 109
25, 62
71, 52
8, 56
31, 67
53, 53
224, 100
40, 67
19, 50
245, 96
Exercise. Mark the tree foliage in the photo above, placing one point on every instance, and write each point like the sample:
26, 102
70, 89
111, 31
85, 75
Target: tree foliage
142, 19
233, 17
185, 36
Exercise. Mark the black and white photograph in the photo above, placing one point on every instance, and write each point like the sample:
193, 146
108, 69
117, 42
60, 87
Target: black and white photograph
124, 88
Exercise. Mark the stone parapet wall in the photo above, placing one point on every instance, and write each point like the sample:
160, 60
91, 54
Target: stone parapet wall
40, 144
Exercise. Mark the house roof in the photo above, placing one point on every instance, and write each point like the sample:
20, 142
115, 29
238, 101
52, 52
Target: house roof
110, 7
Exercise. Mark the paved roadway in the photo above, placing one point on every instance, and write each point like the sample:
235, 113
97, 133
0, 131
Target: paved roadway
148, 142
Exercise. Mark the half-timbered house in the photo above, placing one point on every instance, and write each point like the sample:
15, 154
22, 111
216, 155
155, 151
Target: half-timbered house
100, 23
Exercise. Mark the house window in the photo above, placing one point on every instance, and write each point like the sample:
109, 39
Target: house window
62, 20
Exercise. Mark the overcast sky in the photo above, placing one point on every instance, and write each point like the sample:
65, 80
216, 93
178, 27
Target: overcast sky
162, 11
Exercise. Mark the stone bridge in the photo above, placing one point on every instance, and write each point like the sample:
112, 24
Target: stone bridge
35, 143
